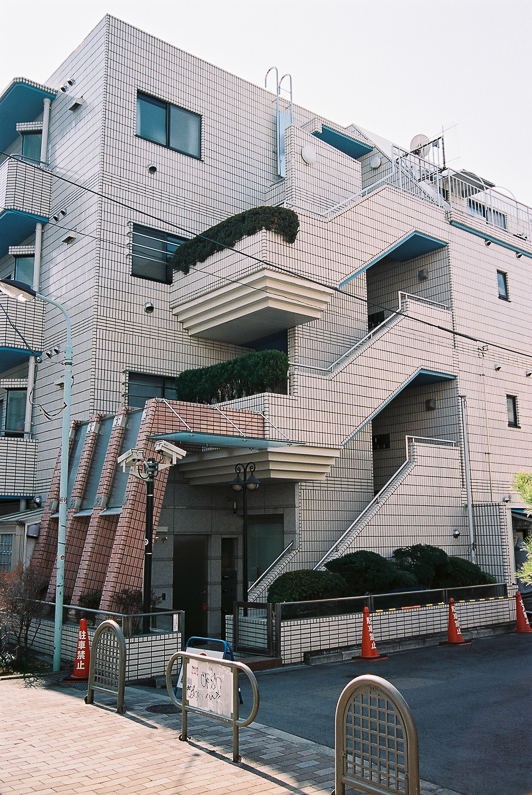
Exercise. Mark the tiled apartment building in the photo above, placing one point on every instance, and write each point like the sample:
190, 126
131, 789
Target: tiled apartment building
403, 306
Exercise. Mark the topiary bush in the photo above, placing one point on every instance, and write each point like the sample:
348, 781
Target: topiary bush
306, 584
425, 562
225, 234
459, 573
368, 572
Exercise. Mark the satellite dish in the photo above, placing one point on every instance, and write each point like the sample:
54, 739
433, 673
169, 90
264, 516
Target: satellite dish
419, 145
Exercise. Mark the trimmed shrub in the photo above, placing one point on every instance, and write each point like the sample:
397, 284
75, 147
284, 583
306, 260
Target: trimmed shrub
306, 584
460, 573
225, 234
425, 562
368, 572
261, 371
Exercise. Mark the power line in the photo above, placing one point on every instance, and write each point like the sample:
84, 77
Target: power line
258, 260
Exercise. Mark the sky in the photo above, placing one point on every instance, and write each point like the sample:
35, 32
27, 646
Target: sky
394, 67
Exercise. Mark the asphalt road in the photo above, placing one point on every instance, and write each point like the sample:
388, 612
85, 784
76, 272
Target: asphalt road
472, 707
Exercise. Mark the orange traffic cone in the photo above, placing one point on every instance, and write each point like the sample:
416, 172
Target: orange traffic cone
523, 624
83, 654
454, 633
369, 647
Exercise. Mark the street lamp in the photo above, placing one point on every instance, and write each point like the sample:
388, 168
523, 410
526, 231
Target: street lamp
245, 481
146, 469
23, 292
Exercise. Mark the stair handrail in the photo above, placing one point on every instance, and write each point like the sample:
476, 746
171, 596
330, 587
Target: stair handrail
272, 565
381, 495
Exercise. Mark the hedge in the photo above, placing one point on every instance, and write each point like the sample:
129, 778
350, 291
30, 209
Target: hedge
227, 233
260, 371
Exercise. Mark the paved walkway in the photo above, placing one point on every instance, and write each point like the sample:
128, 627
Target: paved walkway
52, 742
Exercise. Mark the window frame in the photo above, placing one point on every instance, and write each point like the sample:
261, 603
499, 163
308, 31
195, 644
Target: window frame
512, 411
163, 386
140, 250
168, 107
502, 285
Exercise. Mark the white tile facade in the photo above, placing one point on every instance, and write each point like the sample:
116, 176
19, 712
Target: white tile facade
450, 333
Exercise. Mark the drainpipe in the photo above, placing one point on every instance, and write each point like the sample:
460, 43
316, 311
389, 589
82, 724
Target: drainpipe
467, 473
45, 128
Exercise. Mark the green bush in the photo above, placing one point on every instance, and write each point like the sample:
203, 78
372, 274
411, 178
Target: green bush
306, 584
260, 371
225, 234
425, 562
459, 573
368, 572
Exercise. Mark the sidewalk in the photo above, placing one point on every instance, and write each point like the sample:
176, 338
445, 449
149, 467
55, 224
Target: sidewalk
52, 742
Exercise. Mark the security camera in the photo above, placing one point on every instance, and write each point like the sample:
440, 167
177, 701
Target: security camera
170, 452
456, 533
131, 458
152, 168
148, 307
38, 359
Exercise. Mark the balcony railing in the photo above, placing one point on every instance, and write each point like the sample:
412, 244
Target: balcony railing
24, 188
21, 325
17, 467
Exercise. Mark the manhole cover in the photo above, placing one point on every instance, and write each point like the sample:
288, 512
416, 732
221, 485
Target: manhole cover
163, 709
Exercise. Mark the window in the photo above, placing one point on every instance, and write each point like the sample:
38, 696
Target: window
143, 387
381, 441
152, 254
502, 284
511, 408
168, 125
6, 551
24, 268
493, 217
13, 412
31, 145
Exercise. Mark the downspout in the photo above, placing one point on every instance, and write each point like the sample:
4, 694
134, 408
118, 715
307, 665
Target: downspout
467, 474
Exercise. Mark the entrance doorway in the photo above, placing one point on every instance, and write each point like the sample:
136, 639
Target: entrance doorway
190, 581
229, 578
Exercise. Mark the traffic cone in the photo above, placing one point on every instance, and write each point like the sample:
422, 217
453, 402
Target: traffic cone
454, 633
369, 647
83, 654
523, 624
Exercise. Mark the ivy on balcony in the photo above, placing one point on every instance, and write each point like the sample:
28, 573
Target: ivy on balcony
227, 233
262, 371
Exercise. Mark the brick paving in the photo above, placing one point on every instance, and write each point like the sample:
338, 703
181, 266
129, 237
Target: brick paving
52, 742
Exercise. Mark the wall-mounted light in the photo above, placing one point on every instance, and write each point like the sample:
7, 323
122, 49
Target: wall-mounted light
497, 367
528, 373
430, 404
487, 242
507, 497
456, 533
518, 254
423, 275
37, 501
152, 168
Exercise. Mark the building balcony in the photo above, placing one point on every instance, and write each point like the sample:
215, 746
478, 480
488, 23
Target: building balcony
238, 296
17, 467
21, 331
24, 200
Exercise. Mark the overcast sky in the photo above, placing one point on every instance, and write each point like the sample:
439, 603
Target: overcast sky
396, 68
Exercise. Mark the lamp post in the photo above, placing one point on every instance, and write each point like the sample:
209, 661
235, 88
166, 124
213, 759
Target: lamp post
147, 469
23, 292
245, 481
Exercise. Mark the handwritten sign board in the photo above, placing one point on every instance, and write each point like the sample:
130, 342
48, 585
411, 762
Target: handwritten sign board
210, 687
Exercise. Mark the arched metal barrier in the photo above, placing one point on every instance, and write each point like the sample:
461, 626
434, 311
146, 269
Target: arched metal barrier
107, 667
376, 745
210, 688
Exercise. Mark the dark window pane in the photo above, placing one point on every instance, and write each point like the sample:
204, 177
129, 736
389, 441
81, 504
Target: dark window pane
152, 253
24, 269
143, 387
511, 407
31, 145
151, 119
502, 283
15, 411
185, 131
